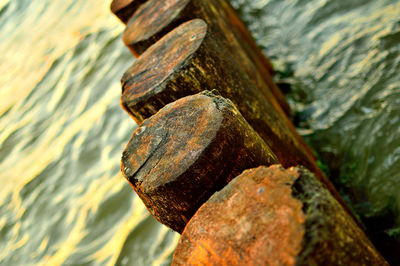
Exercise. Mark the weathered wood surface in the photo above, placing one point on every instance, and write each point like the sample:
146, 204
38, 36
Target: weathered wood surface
157, 18
191, 148
273, 216
124, 9
186, 61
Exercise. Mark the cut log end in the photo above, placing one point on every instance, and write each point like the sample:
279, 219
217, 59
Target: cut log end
149, 20
117, 5
186, 61
124, 9
141, 80
157, 18
187, 151
254, 220
172, 140
273, 216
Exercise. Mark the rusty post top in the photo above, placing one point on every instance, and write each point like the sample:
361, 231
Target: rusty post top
151, 18
170, 141
117, 5
161, 60
254, 220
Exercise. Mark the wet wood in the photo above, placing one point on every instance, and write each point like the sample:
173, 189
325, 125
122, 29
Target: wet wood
191, 148
273, 216
262, 63
188, 60
157, 18
241, 27
124, 9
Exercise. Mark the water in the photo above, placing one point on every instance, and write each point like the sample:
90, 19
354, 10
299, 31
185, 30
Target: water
63, 199
341, 60
62, 132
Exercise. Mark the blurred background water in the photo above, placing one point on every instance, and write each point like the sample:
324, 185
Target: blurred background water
62, 132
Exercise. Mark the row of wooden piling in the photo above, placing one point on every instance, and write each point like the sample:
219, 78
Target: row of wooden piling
208, 109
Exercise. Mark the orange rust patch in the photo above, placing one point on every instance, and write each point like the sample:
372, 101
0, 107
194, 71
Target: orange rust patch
254, 219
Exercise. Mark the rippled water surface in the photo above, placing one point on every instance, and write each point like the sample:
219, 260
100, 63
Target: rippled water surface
63, 199
62, 132
341, 60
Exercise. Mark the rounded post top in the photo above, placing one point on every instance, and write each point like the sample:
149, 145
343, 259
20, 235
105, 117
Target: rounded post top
161, 60
171, 141
151, 18
117, 5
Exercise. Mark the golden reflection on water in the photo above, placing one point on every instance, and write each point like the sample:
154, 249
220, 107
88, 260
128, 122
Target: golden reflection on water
59, 165
31, 48
41, 33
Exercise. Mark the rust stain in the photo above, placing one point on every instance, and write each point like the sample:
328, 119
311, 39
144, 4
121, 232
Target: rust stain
254, 220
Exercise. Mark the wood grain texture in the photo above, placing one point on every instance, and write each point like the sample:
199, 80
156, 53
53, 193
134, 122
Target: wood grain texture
191, 148
124, 9
157, 18
273, 216
188, 60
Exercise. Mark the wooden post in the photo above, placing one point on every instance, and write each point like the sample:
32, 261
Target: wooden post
241, 27
124, 9
156, 18
191, 148
188, 60
273, 216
